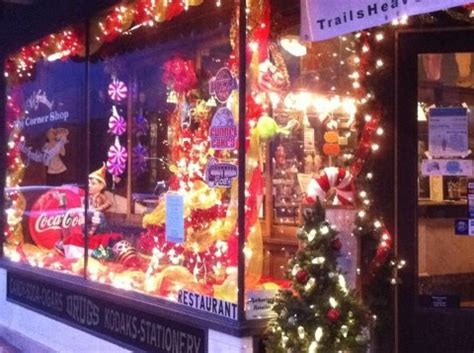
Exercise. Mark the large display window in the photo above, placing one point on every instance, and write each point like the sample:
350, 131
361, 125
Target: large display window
156, 157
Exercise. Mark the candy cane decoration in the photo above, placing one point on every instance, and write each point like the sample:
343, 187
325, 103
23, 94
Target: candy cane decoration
117, 90
332, 180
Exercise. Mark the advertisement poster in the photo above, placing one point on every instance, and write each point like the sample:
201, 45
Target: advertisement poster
448, 132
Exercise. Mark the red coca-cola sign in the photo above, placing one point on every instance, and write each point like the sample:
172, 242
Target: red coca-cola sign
55, 214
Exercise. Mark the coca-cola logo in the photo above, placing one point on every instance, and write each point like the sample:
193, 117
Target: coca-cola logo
66, 220
56, 214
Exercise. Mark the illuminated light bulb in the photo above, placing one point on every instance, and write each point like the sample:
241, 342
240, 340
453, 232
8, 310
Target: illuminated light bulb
318, 334
366, 202
369, 176
379, 63
324, 230
379, 37
367, 118
342, 284
375, 147
401, 264
310, 284
380, 131
311, 235
253, 46
361, 214
332, 302
363, 194
377, 224
357, 60
301, 332
312, 347
293, 45
365, 48
356, 85
317, 261
344, 330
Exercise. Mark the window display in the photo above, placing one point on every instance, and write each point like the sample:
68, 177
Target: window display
137, 186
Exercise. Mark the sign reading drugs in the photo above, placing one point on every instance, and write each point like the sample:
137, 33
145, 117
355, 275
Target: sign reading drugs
322, 19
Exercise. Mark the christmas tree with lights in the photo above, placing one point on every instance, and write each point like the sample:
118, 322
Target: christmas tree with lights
319, 314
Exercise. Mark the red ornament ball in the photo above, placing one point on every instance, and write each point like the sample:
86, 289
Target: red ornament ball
302, 276
333, 315
336, 244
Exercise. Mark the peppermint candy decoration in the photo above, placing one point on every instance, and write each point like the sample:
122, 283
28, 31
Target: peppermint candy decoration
332, 181
117, 90
117, 124
117, 158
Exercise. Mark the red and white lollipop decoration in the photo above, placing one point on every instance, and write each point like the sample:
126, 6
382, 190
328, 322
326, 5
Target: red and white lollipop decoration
332, 181
117, 90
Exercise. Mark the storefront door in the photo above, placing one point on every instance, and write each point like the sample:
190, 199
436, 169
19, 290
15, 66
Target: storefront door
435, 190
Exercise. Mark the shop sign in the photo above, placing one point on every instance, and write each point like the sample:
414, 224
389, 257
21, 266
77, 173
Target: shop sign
454, 167
321, 19
104, 317
43, 110
220, 174
174, 218
223, 130
222, 85
260, 303
448, 132
208, 304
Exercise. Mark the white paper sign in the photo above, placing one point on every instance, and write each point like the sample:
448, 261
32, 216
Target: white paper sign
174, 218
448, 132
260, 303
455, 167
324, 19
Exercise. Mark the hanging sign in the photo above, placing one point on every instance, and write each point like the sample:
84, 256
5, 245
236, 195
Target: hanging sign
220, 174
222, 85
322, 19
448, 132
260, 303
223, 130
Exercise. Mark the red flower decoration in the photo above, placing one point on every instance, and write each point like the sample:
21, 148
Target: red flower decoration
179, 74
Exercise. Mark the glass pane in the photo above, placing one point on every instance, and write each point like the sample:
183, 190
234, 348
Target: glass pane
301, 133
163, 182
46, 125
445, 194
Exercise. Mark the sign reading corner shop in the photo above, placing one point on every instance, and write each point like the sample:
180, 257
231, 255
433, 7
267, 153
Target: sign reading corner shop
324, 19
105, 317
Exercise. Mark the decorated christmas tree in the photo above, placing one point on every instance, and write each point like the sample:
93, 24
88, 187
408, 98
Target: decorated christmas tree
319, 314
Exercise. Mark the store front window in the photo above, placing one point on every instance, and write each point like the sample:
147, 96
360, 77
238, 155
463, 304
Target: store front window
445, 144
124, 164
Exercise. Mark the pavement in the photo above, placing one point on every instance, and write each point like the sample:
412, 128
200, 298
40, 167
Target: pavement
7, 348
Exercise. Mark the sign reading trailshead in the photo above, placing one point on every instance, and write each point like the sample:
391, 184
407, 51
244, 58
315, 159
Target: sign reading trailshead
103, 316
324, 19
